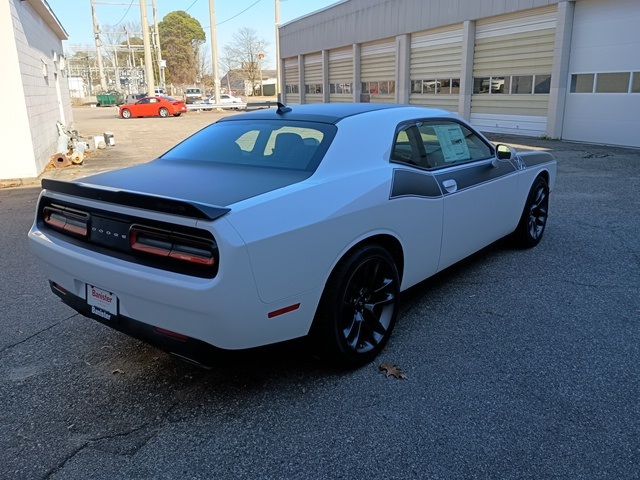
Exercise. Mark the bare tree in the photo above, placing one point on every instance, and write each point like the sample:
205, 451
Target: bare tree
247, 49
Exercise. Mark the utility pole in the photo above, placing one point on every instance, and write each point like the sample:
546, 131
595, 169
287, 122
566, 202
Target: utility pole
96, 36
278, 72
157, 42
214, 51
148, 59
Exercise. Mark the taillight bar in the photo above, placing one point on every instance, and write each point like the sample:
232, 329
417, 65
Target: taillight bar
183, 248
67, 220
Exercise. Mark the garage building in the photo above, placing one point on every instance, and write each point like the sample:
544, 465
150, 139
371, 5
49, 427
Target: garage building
558, 68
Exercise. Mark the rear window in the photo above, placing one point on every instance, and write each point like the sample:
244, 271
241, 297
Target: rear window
258, 143
193, 90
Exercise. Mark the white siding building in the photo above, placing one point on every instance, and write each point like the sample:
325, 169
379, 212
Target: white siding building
561, 68
33, 84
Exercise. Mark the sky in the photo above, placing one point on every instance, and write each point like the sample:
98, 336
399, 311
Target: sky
75, 16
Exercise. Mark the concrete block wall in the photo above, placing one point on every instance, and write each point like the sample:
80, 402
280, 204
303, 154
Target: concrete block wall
37, 45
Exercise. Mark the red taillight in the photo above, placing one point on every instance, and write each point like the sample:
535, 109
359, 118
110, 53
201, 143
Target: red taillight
183, 248
66, 220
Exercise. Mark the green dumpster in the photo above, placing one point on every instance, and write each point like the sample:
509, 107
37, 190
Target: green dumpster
109, 98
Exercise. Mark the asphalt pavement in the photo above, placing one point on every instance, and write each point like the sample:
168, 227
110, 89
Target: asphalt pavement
519, 364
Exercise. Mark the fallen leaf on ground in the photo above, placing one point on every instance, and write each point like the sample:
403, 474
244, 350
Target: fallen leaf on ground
392, 371
117, 370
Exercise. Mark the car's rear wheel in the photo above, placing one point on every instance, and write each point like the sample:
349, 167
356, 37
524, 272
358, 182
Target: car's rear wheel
126, 113
359, 308
164, 113
534, 216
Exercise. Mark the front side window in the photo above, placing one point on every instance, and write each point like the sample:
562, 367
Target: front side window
276, 144
449, 143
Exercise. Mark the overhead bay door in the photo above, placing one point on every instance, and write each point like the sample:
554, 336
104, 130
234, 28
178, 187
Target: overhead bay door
436, 57
341, 75
378, 71
603, 98
313, 78
291, 80
512, 72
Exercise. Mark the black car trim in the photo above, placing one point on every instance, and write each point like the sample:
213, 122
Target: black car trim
185, 347
407, 183
531, 159
154, 203
474, 174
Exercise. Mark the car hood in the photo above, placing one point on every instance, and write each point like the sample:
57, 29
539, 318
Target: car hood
203, 182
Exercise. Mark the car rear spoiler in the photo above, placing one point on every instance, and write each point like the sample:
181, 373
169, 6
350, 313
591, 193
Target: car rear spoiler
173, 206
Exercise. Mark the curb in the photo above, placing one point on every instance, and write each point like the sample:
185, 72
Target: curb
19, 182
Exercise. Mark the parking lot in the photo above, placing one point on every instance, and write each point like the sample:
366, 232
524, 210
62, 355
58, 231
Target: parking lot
519, 364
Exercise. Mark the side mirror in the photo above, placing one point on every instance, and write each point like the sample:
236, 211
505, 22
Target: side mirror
503, 152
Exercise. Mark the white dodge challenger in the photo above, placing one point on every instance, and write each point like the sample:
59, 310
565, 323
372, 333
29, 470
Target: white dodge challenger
277, 224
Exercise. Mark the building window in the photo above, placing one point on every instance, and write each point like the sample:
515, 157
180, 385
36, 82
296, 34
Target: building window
437, 86
542, 84
612, 82
341, 88
481, 85
313, 88
522, 84
455, 86
582, 83
292, 89
385, 87
500, 85
512, 84
635, 84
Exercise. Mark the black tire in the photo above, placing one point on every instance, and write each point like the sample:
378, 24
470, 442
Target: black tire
358, 309
125, 113
534, 216
177, 114
163, 112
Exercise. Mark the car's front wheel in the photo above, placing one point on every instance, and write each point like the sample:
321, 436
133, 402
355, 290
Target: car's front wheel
534, 216
164, 113
359, 307
126, 113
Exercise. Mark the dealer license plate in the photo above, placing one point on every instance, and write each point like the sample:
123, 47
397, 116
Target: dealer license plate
103, 303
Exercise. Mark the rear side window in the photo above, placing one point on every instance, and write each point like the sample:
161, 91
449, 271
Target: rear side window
279, 144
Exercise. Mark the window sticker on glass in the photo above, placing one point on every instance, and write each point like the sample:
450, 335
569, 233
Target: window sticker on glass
452, 142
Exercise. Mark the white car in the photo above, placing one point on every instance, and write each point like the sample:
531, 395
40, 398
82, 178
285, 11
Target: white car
278, 224
227, 101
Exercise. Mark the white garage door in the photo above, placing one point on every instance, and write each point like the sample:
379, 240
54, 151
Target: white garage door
603, 99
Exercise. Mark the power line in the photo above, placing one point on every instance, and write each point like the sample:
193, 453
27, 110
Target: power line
192, 4
237, 14
125, 14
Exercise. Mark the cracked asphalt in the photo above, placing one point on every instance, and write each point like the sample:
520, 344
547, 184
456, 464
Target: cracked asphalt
520, 364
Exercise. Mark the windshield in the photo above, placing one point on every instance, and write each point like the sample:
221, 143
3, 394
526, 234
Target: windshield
290, 145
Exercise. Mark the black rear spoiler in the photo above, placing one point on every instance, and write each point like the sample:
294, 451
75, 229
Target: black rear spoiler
183, 208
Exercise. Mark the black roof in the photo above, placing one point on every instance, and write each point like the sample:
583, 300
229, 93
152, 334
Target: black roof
318, 112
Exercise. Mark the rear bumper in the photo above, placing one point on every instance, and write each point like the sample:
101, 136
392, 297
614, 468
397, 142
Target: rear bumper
185, 347
225, 312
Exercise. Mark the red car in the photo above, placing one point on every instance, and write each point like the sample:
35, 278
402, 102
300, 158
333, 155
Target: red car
153, 107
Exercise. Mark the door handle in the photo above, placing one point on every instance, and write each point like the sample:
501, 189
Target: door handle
450, 185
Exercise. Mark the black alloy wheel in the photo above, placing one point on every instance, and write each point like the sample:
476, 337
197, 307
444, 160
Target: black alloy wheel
359, 308
534, 217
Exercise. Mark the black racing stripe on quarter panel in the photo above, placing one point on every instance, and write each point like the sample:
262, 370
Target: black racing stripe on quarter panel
531, 159
172, 206
475, 174
408, 183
